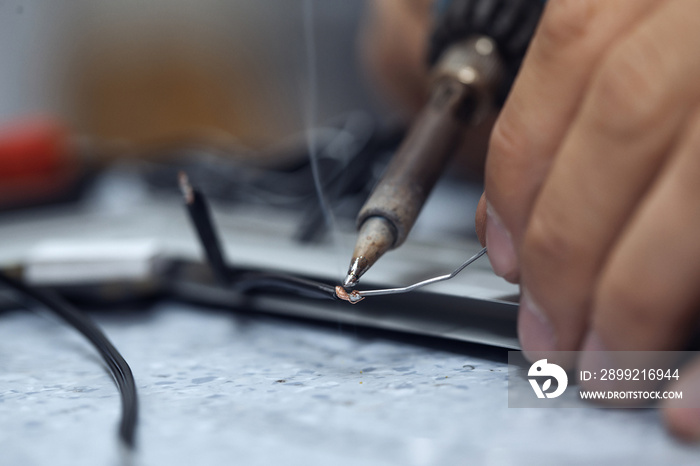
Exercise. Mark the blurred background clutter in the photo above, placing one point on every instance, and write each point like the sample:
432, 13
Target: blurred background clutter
239, 93
148, 70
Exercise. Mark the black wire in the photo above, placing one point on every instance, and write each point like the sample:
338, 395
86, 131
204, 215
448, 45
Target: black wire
249, 281
203, 223
199, 213
118, 367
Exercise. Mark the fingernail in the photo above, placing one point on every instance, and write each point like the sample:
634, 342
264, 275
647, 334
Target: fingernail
500, 245
535, 331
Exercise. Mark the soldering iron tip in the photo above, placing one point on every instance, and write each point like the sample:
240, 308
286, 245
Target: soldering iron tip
350, 281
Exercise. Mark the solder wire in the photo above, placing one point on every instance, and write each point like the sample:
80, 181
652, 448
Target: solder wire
421, 284
356, 296
117, 365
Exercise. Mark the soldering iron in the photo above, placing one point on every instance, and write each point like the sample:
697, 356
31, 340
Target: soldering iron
475, 52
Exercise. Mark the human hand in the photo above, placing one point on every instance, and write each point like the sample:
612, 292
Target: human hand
593, 183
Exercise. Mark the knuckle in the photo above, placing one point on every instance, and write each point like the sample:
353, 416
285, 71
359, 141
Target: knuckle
630, 89
548, 243
565, 21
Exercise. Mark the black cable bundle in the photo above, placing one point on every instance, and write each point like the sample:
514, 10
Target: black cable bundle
118, 367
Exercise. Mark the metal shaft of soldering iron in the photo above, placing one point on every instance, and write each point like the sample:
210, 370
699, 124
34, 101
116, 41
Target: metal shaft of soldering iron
464, 81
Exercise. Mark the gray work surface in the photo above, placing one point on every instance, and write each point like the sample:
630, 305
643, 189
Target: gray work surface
230, 388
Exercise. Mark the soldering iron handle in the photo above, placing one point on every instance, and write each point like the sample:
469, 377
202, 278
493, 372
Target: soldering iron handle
509, 23
410, 176
464, 81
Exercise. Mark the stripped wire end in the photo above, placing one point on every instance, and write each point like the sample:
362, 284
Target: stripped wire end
353, 297
186, 187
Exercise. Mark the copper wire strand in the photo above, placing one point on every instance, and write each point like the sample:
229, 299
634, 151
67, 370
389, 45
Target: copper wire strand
353, 297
